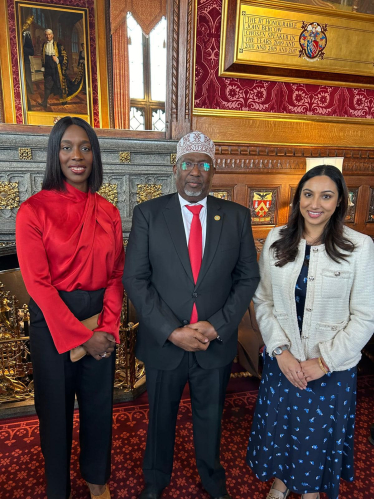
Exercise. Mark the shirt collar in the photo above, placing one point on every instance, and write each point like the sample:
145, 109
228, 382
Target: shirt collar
184, 203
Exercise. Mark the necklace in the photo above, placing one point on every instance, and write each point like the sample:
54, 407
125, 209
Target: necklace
312, 242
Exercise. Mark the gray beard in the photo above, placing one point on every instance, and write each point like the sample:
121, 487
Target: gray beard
192, 193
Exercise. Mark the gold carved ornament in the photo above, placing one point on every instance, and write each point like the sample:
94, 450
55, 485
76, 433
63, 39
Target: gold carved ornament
173, 158
9, 195
148, 191
28, 23
220, 195
15, 365
25, 153
125, 157
109, 192
15, 360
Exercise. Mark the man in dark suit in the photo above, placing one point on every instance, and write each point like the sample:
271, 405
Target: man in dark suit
191, 271
54, 65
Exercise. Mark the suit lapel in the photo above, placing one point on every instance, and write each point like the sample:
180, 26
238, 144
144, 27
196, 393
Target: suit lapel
173, 217
214, 221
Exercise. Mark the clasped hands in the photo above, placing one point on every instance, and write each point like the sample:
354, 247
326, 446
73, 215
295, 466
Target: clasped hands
100, 345
194, 337
299, 373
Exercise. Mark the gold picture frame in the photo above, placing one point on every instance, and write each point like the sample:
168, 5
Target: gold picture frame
53, 86
12, 100
283, 41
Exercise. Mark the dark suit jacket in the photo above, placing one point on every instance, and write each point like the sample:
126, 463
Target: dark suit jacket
159, 282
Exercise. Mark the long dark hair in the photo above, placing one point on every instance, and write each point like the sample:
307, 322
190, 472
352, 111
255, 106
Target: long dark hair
53, 177
286, 247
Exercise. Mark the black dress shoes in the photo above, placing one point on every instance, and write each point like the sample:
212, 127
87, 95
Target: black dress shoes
150, 493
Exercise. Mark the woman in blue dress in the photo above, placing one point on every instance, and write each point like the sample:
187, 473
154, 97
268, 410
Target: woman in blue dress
315, 309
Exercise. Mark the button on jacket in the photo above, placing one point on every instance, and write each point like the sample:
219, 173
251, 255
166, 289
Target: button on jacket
339, 306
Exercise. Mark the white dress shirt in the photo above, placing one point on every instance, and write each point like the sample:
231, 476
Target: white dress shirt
188, 216
50, 48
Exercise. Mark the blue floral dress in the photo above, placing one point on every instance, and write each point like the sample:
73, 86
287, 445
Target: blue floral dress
304, 437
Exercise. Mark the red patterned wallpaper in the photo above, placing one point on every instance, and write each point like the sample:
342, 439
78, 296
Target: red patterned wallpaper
235, 94
88, 4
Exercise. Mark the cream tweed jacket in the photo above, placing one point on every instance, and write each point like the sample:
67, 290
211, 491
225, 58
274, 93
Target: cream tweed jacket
339, 307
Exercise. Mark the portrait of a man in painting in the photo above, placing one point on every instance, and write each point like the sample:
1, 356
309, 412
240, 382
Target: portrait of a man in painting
53, 55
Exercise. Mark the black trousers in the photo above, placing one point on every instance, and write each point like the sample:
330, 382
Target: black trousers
207, 388
56, 382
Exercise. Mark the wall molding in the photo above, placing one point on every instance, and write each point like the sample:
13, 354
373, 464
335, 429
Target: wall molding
266, 158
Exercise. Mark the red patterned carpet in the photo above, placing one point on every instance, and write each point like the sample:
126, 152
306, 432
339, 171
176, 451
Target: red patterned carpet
21, 463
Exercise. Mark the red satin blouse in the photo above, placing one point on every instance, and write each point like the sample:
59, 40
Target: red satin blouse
66, 241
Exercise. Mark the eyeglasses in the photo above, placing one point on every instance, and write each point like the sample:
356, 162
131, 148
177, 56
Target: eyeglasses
202, 166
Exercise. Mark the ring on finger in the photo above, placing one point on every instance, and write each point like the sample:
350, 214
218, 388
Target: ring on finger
103, 355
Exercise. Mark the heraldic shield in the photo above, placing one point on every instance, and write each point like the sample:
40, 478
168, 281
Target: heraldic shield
313, 41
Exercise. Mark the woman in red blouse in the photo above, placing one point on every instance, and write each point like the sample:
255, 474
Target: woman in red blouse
70, 250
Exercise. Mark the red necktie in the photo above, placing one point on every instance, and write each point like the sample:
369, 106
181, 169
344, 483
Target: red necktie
195, 249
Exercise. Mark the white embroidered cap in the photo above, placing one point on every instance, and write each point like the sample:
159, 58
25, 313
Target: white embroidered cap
195, 142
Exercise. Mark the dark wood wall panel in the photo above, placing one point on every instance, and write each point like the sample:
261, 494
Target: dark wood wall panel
241, 169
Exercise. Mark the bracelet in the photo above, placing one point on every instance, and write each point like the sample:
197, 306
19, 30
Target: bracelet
322, 366
325, 365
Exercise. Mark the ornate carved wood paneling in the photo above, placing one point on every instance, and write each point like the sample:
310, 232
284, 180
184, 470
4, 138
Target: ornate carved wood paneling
174, 61
273, 158
182, 70
189, 73
287, 132
247, 169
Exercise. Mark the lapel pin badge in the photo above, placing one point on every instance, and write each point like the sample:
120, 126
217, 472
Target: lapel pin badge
217, 217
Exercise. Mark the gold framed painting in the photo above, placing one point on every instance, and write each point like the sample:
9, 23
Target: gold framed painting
54, 62
283, 41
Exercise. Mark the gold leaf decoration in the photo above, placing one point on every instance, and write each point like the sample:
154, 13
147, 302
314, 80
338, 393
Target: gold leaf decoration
109, 192
148, 191
9, 195
173, 159
124, 157
25, 153
221, 195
